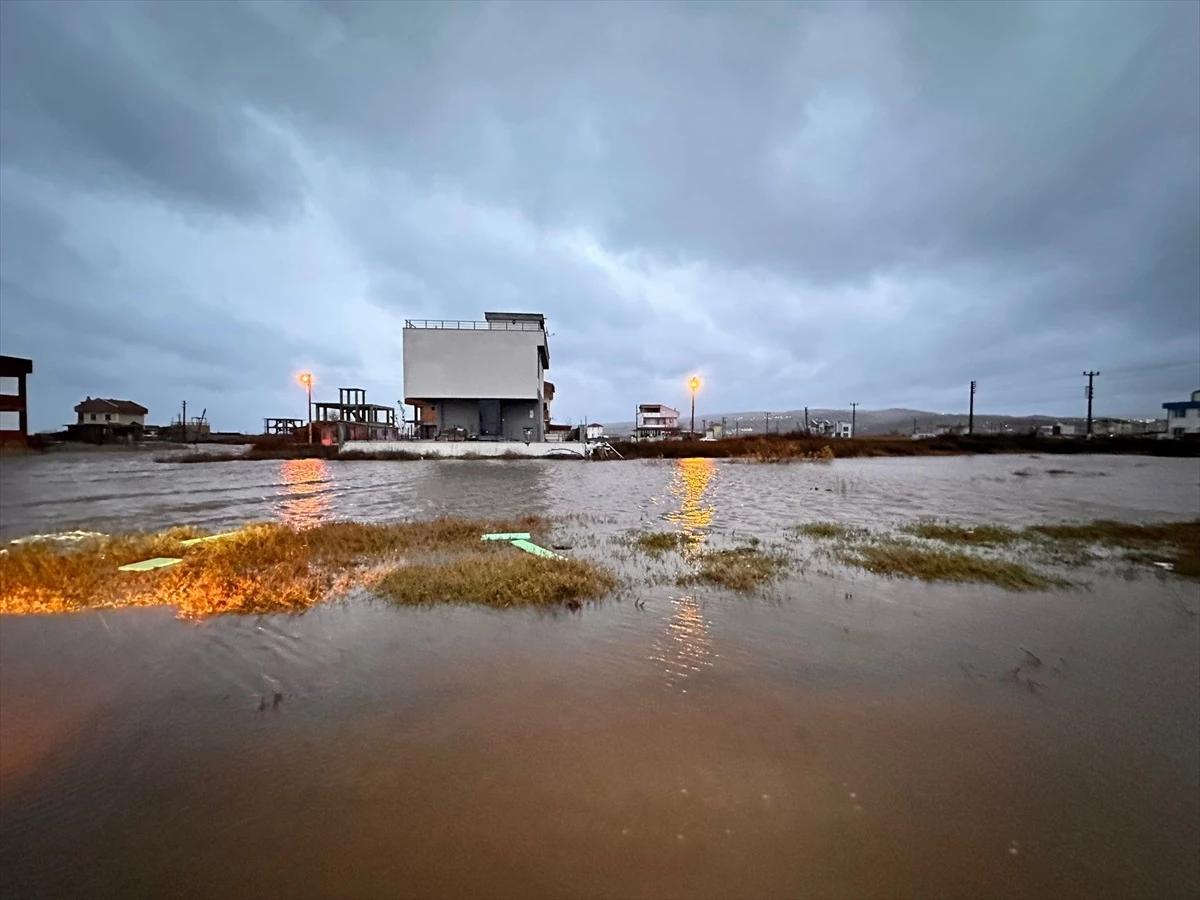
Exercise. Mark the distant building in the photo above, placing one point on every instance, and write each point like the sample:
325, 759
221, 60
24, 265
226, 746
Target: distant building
14, 414
479, 380
949, 429
100, 421
656, 422
1183, 417
714, 432
594, 431
95, 411
844, 430
1058, 429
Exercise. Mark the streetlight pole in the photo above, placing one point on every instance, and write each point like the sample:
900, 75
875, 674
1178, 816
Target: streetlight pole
693, 383
306, 380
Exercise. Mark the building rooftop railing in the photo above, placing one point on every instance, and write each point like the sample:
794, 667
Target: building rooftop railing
473, 325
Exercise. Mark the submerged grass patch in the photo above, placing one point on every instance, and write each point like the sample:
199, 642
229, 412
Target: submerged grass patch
258, 569
739, 569
501, 580
902, 559
980, 535
829, 530
657, 543
1176, 543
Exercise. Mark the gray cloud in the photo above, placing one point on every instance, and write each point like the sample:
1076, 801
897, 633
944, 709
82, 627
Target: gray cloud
809, 204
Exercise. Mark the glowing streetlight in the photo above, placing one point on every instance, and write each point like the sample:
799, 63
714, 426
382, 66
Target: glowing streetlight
694, 385
306, 380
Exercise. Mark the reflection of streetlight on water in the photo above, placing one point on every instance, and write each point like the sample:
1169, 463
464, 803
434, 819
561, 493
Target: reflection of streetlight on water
687, 647
305, 492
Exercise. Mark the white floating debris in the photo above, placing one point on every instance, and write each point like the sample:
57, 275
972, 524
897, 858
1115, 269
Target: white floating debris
58, 536
1166, 565
853, 795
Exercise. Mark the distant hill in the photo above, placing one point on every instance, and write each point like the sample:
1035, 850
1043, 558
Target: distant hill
867, 421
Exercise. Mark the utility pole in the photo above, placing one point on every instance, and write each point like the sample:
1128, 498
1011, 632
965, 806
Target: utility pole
767, 425
914, 424
853, 410
1090, 392
806, 420
183, 423
971, 415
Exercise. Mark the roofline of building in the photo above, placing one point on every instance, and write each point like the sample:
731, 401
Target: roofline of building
15, 366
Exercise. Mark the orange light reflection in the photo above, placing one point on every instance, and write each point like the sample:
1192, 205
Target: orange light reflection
306, 495
687, 647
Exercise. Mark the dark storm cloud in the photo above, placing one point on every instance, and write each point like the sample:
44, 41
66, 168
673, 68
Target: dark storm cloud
79, 101
810, 204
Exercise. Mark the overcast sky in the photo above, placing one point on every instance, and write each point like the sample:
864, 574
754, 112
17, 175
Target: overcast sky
805, 204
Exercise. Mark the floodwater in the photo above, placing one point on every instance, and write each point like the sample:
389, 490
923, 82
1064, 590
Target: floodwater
837, 735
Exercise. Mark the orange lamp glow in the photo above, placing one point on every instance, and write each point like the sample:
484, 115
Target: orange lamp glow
306, 379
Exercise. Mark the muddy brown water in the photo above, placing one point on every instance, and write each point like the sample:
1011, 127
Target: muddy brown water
837, 735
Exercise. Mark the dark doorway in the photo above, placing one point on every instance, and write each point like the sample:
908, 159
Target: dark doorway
489, 418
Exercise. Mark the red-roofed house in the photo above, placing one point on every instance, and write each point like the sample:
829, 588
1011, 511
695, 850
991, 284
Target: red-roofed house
95, 411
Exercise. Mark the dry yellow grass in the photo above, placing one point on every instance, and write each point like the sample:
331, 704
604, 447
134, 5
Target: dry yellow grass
260, 569
505, 579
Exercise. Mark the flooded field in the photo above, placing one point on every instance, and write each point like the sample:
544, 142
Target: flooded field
835, 734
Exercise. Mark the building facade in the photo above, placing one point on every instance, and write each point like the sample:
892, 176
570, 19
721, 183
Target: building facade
14, 414
472, 380
95, 411
1183, 417
656, 422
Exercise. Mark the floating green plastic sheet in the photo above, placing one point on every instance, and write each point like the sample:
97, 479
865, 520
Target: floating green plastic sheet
515, 536
159, 562
535, 549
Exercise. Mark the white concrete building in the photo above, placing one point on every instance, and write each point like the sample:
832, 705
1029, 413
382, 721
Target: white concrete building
474, 380
1183, 417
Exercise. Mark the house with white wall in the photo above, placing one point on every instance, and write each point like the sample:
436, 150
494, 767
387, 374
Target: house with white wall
96, 411
1183, 417
655, 422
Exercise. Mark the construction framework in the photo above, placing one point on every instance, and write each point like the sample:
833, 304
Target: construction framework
282, 426
353, 418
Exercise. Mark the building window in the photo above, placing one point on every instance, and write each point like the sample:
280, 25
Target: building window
93, 417
1178, 432
108, 417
